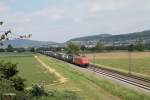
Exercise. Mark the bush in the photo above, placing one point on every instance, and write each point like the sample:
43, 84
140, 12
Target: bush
11, 86
8, 69
32, 49
59, 95
8, 92
38, 90
38, 93
18, 83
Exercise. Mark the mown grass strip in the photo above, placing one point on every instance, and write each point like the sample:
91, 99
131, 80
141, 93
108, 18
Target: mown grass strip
120, 91
51, 70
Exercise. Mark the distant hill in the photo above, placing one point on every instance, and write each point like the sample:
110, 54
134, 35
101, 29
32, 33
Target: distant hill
94, 37
106, 38
144, 35
27, 43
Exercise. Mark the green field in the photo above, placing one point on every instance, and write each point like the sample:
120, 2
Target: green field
87, 86
140, 62
29, 68
141, 65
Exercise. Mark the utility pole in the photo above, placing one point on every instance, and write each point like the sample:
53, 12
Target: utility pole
94, 59
130, 49
130, 61
82, 48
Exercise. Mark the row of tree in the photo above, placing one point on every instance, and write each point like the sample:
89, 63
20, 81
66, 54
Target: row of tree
73, 48
139, 46
10, 48
76, 49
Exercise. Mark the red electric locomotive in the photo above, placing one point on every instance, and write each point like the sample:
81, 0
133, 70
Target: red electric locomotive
82, 61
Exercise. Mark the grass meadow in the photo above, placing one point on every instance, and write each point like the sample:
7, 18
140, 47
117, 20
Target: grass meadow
140, 61
29, 68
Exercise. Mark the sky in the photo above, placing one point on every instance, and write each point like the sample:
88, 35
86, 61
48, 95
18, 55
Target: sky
61, 20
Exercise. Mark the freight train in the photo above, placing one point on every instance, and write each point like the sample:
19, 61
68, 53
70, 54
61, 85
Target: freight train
73, 59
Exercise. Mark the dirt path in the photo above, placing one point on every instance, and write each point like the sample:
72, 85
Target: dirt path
61, 79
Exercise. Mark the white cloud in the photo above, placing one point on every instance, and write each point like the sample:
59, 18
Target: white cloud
50, 13
4, 8
82, 18
99, 5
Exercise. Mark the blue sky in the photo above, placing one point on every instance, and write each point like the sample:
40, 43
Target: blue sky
61, 20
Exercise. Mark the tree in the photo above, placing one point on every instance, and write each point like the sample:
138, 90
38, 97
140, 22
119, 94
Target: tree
99, 46
32, 49
20, 49
1, 22
140, 45
131, 48
11, 86
8, 69
10, 48
83, 49
6, 35
2, 50
73, 49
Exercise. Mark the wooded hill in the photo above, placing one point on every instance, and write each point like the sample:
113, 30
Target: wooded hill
144, 35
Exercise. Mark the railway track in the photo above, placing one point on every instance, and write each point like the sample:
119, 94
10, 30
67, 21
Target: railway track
124, 77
